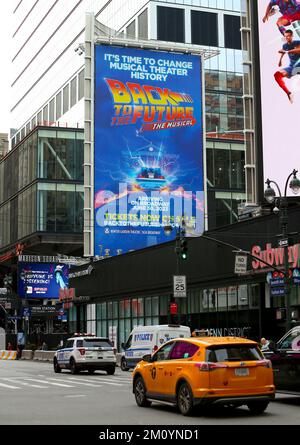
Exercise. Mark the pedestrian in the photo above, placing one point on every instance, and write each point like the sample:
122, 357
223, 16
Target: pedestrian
44, 346
9, 346
20, 343
264, 344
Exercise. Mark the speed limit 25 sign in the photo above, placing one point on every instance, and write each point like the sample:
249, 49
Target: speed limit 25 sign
179, 286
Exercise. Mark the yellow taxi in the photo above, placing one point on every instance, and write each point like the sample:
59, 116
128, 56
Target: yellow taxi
188, 372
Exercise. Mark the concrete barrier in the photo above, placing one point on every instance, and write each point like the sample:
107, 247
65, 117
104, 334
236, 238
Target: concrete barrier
8, 355
27, 354
44, 356
118, 357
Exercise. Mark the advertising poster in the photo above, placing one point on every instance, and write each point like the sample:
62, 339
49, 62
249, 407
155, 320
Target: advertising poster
279, 41
148, 147
42, 280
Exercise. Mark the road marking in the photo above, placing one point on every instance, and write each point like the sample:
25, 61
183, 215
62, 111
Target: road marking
75, 396
16, 380
49, 383
106, 382
77, 383
9, 386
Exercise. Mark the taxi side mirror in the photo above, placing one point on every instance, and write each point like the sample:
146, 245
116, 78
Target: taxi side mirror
147, 358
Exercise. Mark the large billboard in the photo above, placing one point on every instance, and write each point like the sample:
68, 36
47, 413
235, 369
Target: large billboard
148, 159
279, 41
42, 280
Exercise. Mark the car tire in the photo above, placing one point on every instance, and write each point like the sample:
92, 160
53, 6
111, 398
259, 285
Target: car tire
185, 402
111, 371
91, 371
139, 390
124, 366
73, 367
257, 407
57, 368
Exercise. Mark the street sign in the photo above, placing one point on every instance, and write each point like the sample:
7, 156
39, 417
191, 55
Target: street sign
26, 312
283, 242
240, 263
179, 286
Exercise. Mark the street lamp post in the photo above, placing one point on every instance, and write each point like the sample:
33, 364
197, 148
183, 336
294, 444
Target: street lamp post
282, 209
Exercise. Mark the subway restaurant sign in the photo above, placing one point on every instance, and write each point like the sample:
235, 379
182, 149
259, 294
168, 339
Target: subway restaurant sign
274, 256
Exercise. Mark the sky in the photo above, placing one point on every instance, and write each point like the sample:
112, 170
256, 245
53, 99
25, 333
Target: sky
5, 33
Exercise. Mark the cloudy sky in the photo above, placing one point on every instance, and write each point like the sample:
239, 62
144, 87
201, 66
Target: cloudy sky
5, 33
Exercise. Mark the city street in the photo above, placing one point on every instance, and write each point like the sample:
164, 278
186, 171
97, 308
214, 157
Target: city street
32, 394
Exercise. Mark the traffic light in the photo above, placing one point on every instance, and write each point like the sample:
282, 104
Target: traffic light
183, 249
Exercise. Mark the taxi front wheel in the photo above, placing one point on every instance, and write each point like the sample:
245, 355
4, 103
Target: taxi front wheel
140, 393
185, 399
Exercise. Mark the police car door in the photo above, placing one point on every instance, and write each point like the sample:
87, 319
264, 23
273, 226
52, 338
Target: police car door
63, 355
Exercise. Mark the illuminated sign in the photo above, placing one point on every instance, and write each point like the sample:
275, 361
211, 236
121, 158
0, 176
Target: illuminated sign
148, 160
279, 43
42, 280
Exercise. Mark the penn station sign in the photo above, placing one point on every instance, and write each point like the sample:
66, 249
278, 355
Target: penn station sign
274, 256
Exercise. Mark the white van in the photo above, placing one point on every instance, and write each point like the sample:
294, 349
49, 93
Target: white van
147, 339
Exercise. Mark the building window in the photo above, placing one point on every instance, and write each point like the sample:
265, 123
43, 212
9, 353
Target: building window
232, 26
51, 110
81, 85
170, 24
58, 106
40, 118
73, 98
45, 113
204, 28
143, 25
66, 99
130, 30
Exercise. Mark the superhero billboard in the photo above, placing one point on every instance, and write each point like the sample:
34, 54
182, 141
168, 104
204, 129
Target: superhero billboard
42, 280
279, 43
148, 159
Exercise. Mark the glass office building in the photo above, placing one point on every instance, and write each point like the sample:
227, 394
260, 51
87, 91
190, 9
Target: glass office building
41, 185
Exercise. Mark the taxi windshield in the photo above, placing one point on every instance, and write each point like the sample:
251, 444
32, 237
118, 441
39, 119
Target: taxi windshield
232, 353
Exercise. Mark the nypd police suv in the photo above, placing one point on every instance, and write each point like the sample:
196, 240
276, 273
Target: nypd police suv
85, 352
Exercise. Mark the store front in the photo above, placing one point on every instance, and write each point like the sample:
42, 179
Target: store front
136, 288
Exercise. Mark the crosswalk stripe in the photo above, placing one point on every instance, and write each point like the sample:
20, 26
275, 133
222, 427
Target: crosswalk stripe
50, 383
9, 386
106, 382
78, 383
18, 382
117, 378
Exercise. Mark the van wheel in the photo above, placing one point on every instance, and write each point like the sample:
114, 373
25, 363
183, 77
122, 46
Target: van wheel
124, 366
185, 399
111, 371
139, 390
57, 368
257, 407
